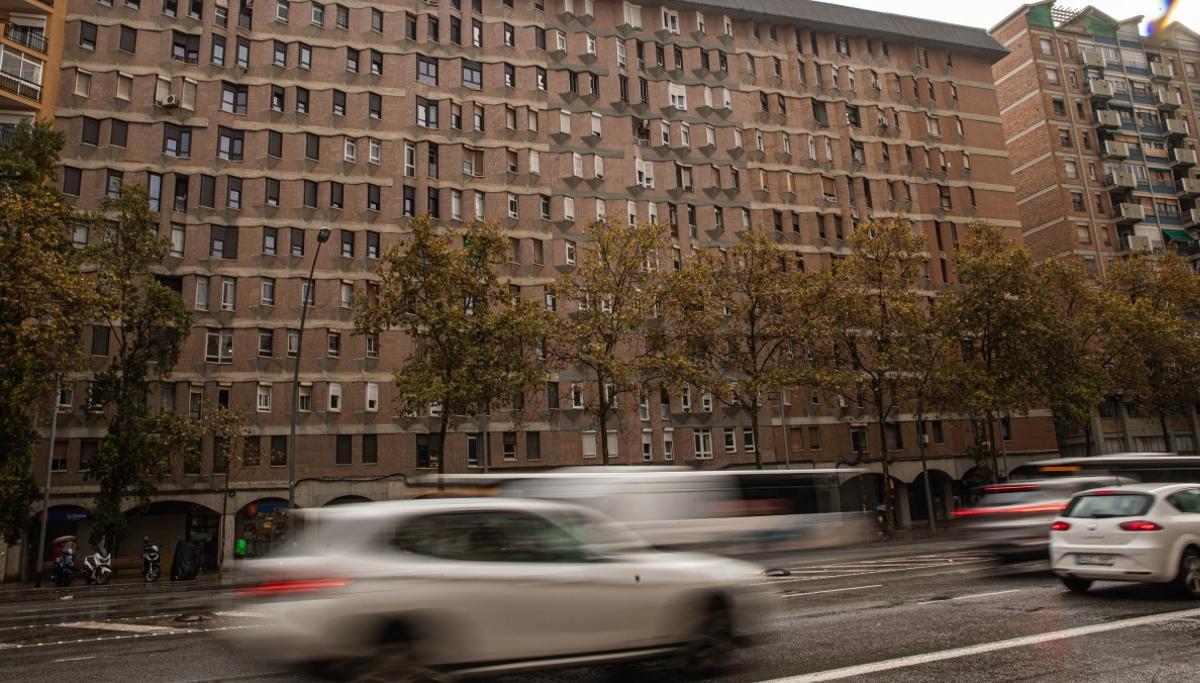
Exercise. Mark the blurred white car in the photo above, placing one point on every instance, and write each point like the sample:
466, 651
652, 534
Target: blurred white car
1140, 532
396, 590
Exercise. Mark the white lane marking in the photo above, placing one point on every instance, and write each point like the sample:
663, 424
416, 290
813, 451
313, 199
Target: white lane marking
238, 613
98, 639
113, 626
74, 659
983, 648
984, 595
832, 590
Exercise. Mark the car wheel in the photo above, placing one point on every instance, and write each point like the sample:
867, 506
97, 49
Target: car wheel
1076, 585
397, 658
1187, 581
713, 644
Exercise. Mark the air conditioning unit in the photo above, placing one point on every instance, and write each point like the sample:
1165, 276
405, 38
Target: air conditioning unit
170, 101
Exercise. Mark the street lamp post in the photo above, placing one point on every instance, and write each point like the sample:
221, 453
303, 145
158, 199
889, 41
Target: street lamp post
307, 294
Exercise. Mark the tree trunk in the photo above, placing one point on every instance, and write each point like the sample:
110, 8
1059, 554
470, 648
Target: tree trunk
221, 529
443, 427
758, 461
1166, 431
889, 516
925, 470
991, 432
1087, 437
602, 431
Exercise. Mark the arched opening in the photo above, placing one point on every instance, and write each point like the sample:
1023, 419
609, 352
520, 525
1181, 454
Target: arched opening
347, 500
261, 528
941, 488
862, 493
166, 523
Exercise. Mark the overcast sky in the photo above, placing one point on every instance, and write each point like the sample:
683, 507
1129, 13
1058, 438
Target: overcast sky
986, 14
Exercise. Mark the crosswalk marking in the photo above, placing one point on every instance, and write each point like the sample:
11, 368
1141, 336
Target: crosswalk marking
114, 626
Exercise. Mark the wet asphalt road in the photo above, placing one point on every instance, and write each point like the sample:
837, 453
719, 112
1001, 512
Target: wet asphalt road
918, 612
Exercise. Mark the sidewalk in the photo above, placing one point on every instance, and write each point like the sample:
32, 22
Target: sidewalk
119, 584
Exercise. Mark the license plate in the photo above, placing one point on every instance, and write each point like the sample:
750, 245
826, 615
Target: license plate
1105, 560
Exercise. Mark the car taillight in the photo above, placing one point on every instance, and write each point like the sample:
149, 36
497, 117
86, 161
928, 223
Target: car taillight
286, 586
1140, 525
1060, 525
1011, 510
1009, 488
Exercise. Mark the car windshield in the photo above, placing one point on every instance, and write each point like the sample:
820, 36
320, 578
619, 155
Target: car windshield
1097, 506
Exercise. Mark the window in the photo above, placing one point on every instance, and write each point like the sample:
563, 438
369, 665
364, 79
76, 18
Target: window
83, 83
339, 103
334, 402
472, 75
267, 294
427, 70
1052, 75
218, 346
128, 41
427, 113
371, 401
748, 444
264, 398
702, 442
230, 143
185, 47
228, 293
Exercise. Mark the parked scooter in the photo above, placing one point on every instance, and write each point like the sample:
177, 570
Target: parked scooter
151, 566
97, 567
64, 568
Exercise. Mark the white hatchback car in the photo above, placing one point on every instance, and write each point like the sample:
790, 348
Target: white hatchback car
1140, 532
414, 589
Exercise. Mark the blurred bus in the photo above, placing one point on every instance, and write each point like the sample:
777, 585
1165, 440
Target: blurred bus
1144, 467
728, 512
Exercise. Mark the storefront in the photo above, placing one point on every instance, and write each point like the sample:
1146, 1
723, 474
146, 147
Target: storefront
261, 528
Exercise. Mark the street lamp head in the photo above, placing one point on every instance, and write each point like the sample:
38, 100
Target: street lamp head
323, 235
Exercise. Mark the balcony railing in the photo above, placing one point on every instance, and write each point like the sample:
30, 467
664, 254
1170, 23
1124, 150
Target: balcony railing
21, 86
1183, 157
1160, 71
1177, 127
1107, 118
1116, 150
1165, 99
1130, 213
23, 35
1100, 88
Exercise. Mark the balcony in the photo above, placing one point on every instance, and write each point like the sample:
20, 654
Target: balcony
1187, 188
1166, 100
1191, 218
22, 35
34, 6
1161, 72
1099, 89
1177, 128
1108, 119
1120, 181
1128, 213
18, 92
1183, 157
1116, 150
1091, 58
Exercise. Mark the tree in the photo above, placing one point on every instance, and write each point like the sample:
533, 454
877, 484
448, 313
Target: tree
876, 318
475, 344
743, 324
610, 332
1071, 369
149, 322
996, 309
44, 301
1153, 335
229, 430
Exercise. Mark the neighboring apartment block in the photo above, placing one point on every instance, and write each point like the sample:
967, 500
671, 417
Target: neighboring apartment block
1100, 124
31, 44
254, 125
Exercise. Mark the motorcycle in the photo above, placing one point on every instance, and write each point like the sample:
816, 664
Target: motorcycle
97, 567
64, 568
151, 567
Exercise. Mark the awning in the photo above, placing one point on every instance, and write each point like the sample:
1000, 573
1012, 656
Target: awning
1178, 236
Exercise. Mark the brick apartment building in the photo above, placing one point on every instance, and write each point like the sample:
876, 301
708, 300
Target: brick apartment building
254, 126
1100, 125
